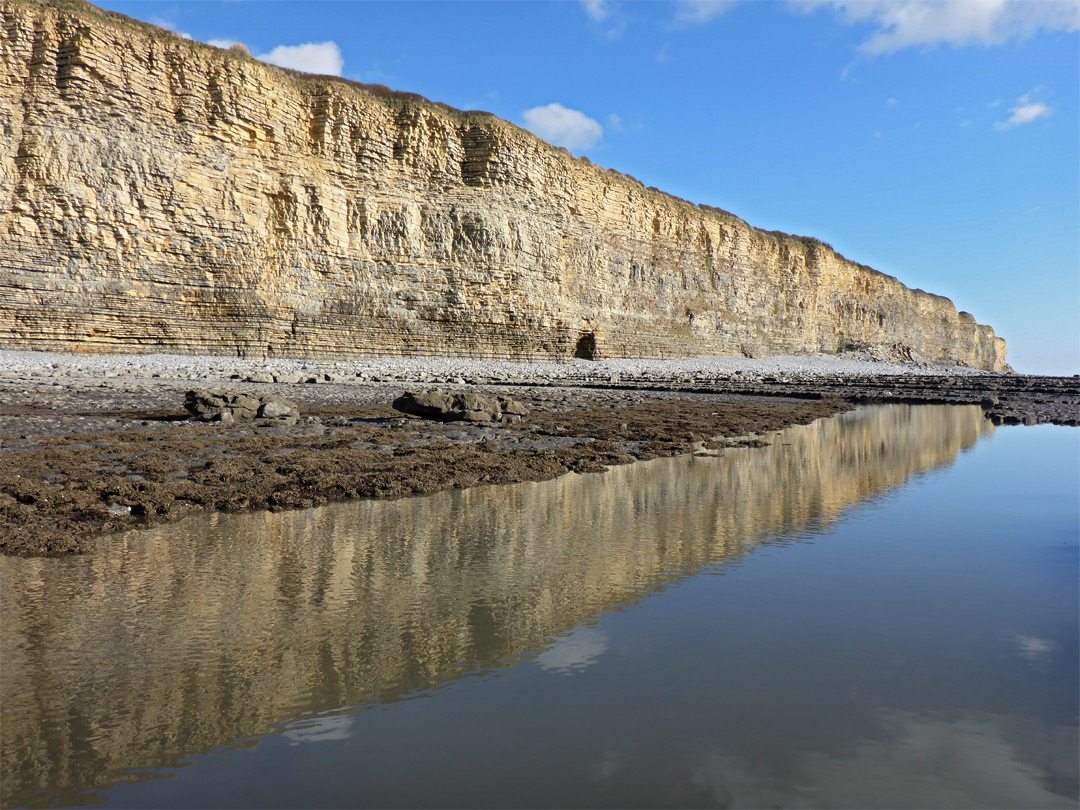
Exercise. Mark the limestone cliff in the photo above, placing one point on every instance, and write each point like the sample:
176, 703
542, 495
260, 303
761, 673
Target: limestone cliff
160, 194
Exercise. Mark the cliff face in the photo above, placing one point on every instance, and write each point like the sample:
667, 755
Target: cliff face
159, 194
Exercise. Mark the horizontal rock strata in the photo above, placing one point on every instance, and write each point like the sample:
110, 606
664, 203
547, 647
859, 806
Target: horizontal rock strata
161, 194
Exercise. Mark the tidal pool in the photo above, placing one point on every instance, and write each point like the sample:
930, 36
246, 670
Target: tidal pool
878, 610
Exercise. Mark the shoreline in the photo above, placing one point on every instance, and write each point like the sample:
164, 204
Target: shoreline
95, 445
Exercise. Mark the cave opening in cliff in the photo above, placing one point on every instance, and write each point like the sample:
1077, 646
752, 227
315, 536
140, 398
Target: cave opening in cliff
586, 346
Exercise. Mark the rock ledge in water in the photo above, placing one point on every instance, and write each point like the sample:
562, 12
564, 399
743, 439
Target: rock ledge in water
445, 406
219, 405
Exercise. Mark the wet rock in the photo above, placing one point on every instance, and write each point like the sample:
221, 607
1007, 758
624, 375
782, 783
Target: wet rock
446, 406
219, 405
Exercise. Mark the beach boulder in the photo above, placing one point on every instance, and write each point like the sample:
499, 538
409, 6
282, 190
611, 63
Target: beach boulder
220, 405
448, 406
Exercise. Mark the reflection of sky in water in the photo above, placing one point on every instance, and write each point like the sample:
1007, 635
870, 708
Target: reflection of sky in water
320, 729
921, 762
1035, 649
920, 650
576, 650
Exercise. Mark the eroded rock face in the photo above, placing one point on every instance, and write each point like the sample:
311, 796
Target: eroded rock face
161, 194
219, 405
445, 406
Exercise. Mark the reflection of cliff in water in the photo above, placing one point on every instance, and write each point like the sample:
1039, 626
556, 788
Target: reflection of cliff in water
167, 644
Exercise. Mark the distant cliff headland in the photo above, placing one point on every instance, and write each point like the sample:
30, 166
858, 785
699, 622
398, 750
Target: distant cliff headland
158, 194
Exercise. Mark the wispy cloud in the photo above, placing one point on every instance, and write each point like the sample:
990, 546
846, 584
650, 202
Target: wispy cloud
562, 126
168, 25
606, 14
598, 10
695, 12
903, 24
1025, 112
614, 122
311, 57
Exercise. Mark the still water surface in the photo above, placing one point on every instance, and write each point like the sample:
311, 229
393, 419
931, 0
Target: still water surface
878, 610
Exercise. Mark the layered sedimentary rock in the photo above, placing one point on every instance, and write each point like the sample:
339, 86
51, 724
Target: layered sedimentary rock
161, 194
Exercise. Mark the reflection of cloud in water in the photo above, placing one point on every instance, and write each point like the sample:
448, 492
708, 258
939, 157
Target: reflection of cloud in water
610, 763
577, 650
920, 763
303, 612
320, 729
1034, 648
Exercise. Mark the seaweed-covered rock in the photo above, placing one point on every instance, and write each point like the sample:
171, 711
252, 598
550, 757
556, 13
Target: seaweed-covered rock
446, 406
219, 405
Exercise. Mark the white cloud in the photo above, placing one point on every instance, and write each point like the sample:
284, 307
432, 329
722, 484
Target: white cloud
1024, 112
563, 127
598, 10
903, 24
224, 44
606, 13
169, 26
311, 57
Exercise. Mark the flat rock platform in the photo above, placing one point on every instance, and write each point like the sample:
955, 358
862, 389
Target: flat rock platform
94, 445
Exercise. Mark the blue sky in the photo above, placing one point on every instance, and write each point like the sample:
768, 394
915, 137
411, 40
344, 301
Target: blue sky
938, 142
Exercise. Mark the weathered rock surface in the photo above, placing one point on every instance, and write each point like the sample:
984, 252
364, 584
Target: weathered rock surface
446, 406
219, 405
161, 194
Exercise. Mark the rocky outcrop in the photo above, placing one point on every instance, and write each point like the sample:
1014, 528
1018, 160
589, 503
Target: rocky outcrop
160, 194
448, 406
218, 405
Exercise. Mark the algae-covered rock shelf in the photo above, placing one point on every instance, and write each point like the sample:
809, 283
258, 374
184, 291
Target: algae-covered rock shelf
158, 194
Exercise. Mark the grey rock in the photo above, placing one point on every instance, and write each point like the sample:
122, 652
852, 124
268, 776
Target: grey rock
446, 406
228, 407
273, 407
